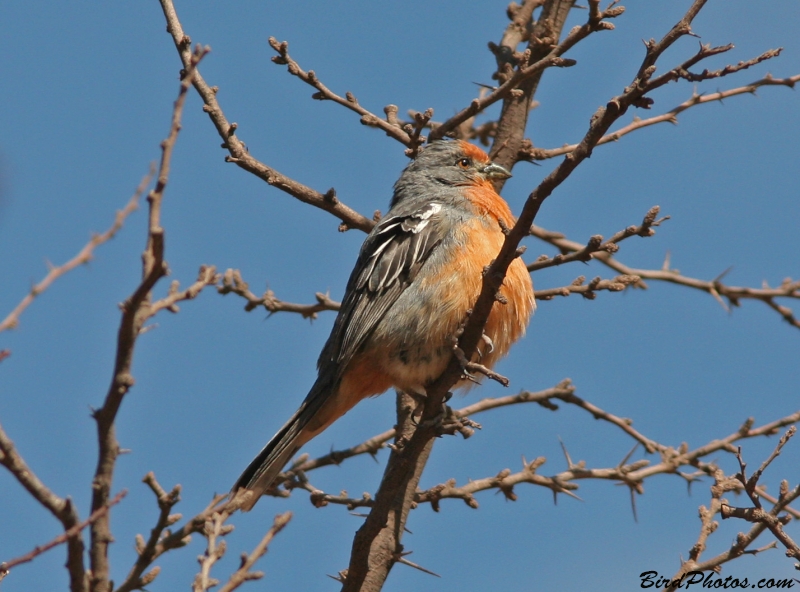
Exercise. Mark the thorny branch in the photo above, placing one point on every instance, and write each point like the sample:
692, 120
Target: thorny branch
525, 70
136, 310
244, 573
237, 150
149, 551
84, 256
509, 133
377, 543
214, 529
571, 250
62, 508
589, 291
406, 134
139, 308
596, 244
211, 523
6, 566
162, 539
757, 514
232, 282
207, 276
671, 116
631, 474
763, 519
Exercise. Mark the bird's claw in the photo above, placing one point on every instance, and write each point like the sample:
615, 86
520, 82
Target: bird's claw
488, 341
449, 422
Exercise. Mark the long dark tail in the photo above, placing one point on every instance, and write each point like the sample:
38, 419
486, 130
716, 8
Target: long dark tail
264, 468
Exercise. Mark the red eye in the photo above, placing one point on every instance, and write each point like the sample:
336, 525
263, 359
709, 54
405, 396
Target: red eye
463, 163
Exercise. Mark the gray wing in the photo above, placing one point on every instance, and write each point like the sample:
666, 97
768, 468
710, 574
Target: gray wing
388, 262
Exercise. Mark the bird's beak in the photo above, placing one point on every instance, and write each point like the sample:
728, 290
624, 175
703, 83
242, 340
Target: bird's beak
495, 171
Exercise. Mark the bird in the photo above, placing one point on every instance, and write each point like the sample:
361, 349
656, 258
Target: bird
417, 275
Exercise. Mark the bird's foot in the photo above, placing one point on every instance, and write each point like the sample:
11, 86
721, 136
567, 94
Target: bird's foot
448, 421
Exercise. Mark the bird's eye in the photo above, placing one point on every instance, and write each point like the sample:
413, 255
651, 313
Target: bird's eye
463, 163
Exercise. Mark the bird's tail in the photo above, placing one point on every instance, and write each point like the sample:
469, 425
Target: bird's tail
265, 467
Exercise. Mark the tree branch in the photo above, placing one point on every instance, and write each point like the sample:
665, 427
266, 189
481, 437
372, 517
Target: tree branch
510, 130
237, 149
147, 552
214, 530
671, 116
135, 311
733, 294
391, 126
377, 543
762, 519
232, 282
5, 567
243, 574
527, 70
596, 244
62, 509
757, 514
84, 256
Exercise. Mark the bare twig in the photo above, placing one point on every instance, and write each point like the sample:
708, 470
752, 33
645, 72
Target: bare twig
61, 508
409, 137
757, 514
147, 552
762, 519
215, 528
135, 311
630, 474
596, 244
733, 294
238, 152
552, 59
509, 134
207, 276
588, 291
232, 282
244, 573
84, 256
371, 446
6, 566
671, 116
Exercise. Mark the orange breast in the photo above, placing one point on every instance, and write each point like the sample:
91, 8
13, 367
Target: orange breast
507, 322
482, 238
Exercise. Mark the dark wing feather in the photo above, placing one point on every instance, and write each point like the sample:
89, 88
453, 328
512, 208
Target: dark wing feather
389, 261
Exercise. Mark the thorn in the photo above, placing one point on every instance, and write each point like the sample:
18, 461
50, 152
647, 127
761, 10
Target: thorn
566, 454
665, 265
633, 505
718, 298
400, 558
627, 457
722, 275
341, 577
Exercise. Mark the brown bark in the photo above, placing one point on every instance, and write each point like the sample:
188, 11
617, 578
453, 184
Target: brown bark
516, 106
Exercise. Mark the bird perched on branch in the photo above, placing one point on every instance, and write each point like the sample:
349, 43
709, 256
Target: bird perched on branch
418, 273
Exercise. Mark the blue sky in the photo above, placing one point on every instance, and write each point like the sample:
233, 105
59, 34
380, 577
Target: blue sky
87, 90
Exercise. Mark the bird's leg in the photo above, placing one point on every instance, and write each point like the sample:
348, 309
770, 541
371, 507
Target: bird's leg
419, 404
450, 422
